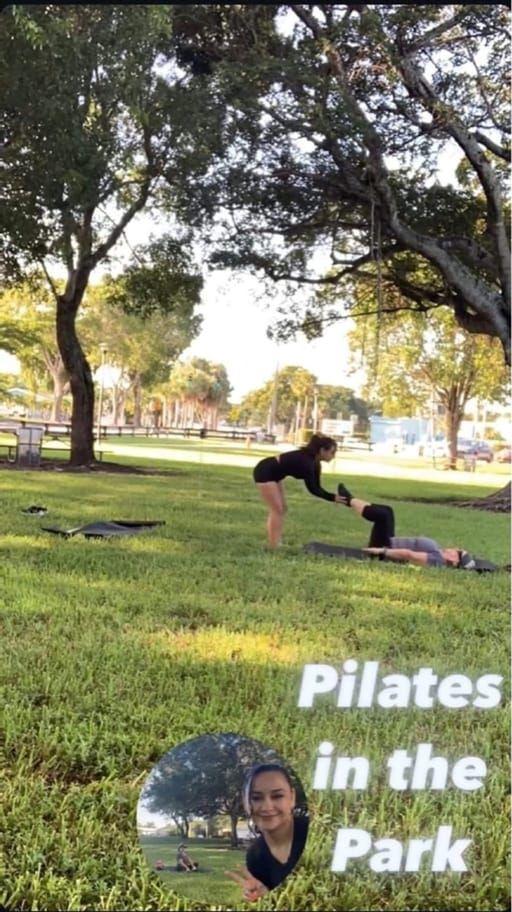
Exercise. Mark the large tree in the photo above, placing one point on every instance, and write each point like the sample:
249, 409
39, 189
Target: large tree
98, 124
204, 777
341, 115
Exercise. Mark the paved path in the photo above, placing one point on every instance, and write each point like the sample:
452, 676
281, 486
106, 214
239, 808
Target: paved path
363, 464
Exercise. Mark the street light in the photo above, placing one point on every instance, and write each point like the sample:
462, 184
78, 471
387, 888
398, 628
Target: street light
272, 412
103, 350
315, 410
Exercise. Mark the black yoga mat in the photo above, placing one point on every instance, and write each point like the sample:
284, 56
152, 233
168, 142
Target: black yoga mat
481, 565
103, 529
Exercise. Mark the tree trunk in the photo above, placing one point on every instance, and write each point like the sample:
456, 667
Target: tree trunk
118, 405
234, 835
60, 382
499, 502
452, 430
80, 377
137, 401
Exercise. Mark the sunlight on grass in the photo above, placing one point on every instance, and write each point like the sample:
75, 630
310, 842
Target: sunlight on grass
112, 652
221, 645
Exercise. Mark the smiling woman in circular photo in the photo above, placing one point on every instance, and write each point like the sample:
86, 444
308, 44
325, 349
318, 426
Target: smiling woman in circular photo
279, 827
222, 818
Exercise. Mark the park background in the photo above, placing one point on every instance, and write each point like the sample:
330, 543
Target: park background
115, 651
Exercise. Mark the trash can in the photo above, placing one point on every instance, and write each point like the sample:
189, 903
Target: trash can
28, 449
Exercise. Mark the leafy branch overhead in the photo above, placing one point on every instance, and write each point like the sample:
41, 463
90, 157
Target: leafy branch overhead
338, 126
273, 133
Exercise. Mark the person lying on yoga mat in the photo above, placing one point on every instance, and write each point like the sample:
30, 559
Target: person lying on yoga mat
303, 464
269, 800
421, 550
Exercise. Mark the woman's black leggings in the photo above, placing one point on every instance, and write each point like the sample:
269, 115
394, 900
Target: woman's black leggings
383, 520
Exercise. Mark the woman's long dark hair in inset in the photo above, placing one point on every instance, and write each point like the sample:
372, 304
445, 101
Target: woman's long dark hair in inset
318, 443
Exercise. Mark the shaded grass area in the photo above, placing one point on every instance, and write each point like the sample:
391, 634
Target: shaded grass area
114, 652
209, 881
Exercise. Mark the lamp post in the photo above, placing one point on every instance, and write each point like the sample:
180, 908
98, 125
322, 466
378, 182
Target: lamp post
315, 410
433, 425
103, 350
272, 412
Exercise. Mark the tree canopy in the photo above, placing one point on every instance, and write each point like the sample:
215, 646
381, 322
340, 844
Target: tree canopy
291, 385
204, 777
424, 356
340, 116
97, 124
280, 131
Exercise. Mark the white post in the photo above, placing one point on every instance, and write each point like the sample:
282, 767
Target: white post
103, 349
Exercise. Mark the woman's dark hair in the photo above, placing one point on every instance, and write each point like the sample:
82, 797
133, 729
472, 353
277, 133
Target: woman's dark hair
318, 443
255, 771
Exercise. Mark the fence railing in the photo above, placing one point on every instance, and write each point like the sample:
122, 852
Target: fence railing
63, 429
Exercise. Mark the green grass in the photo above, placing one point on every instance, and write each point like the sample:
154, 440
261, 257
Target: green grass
214, 858
115, 651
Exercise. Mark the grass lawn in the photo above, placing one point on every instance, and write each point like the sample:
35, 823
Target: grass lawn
113, 652
214, 858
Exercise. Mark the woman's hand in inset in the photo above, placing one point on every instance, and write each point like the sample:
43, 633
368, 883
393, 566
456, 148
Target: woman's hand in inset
252, 889
339, 499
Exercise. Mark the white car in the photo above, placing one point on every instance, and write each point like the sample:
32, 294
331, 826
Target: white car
438, 447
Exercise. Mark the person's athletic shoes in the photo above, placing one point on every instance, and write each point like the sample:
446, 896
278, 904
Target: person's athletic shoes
344, 492
35, 510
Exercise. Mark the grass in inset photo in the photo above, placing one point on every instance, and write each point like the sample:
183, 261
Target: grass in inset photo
209, 883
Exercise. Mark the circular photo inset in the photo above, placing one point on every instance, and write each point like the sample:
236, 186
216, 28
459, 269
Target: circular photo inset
222, 818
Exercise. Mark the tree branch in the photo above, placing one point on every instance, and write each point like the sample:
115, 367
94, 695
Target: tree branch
488, 106
436, 32
117, 231
481, 257
493, 147
421, 89
49, 279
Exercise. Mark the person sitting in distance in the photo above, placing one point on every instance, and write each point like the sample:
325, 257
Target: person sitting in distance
184, 861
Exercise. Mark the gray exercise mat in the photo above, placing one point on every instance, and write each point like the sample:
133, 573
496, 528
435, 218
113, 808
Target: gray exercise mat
481, 565
315, 547
102, 529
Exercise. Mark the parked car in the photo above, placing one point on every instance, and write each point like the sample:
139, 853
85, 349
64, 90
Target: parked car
504, 455
483, 451
438, 447
480, 449
463, 446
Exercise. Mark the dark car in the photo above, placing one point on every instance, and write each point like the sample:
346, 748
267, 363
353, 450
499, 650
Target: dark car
479, 449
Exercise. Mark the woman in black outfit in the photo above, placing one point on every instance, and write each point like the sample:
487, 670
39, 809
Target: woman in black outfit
304, 464
270, 803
